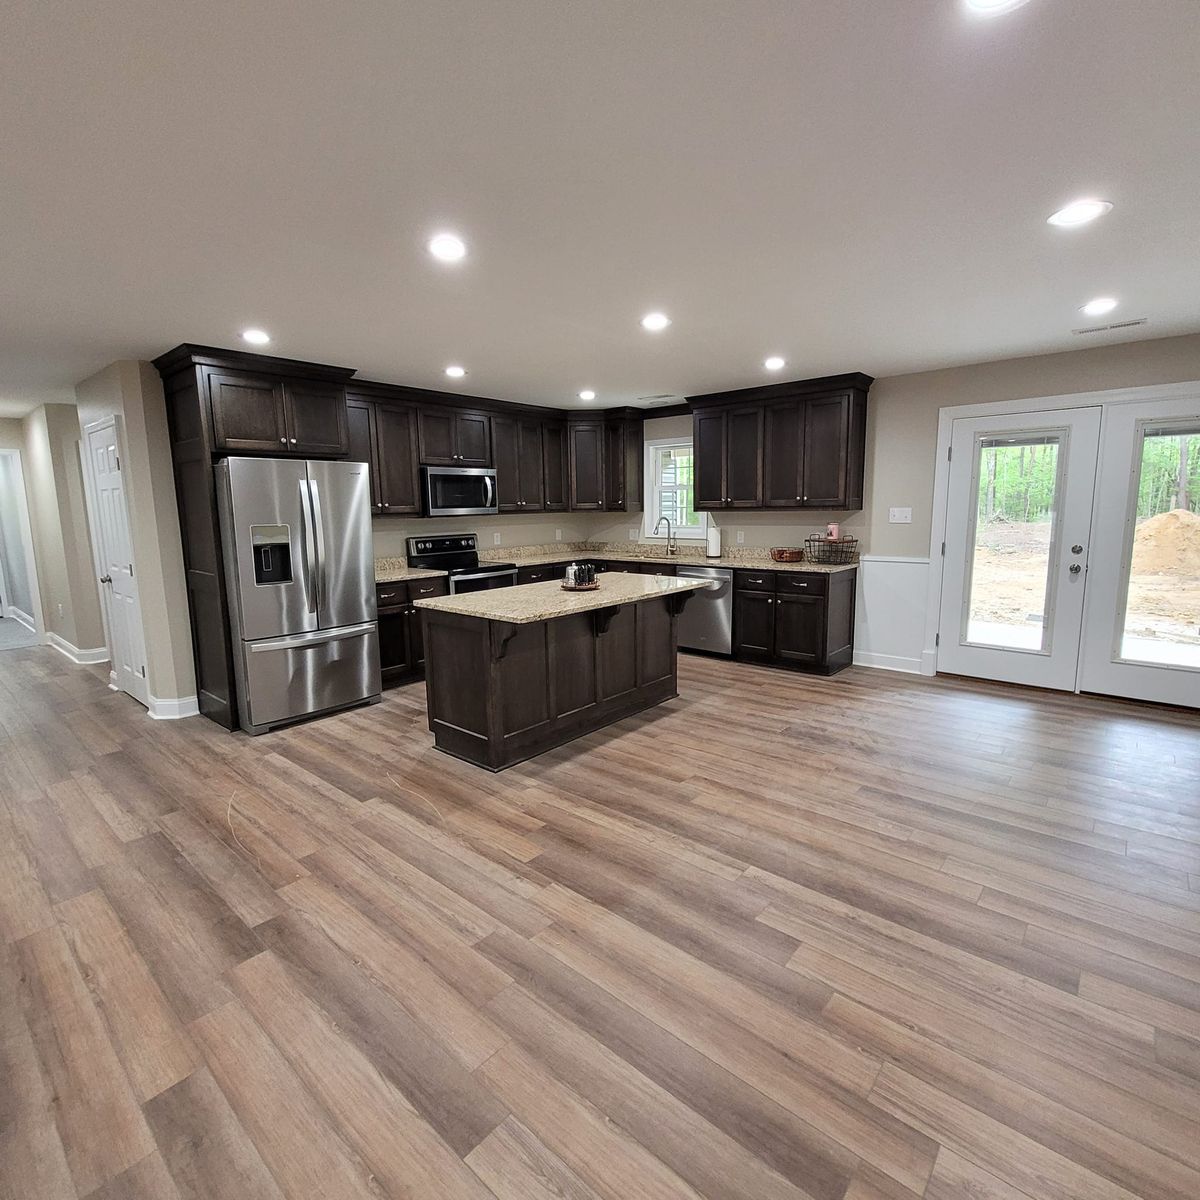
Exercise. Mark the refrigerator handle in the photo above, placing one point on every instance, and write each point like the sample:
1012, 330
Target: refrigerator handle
310, 547
319, 528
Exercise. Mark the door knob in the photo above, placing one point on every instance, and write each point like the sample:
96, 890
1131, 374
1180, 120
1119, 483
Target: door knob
1074, 568
1077, 549
106, 579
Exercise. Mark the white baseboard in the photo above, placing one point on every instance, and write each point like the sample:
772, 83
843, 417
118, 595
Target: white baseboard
887, 662
173, 710
82, 657
21, 617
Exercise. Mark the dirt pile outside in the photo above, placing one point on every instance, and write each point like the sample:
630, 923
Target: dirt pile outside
1168, 544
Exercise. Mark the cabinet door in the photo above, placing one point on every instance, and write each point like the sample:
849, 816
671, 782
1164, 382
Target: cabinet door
614, 466
743, 457
826, 433
529, 464
508, 470
708, 436
800, 628
396, 451
783, 440
395, 658
436, 437
554, 466
753, 625
247, 413
473, 439
360, 430
316, 418
586, 453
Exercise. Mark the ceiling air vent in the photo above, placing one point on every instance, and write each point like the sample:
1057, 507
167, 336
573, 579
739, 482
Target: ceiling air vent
1114, 325
661, 398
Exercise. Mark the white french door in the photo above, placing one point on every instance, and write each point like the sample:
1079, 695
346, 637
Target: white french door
118, 587
1018, 530
1142, 624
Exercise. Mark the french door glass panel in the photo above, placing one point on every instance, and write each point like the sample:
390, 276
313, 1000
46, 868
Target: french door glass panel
1009, 603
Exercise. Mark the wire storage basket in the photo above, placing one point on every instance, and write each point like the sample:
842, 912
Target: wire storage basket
819, 549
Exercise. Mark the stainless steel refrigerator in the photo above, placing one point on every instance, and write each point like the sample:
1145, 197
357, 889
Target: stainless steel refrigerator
299, 571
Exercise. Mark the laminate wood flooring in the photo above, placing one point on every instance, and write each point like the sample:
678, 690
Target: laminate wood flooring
783, 938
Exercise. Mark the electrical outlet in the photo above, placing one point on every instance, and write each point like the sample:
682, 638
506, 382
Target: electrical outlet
60, 610
558, 535
495, 539
899, 516
633, 535
741, 537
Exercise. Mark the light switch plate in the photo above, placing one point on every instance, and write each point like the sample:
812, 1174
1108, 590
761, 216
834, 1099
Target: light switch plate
633, 535
741, 537
899, 516
495, 539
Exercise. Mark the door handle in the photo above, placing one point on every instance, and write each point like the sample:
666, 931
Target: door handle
1074, 568
310, 546
319, 530
106, 579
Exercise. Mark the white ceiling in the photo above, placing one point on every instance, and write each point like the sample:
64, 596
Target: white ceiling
853, 184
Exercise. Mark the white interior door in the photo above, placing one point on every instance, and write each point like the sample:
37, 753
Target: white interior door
1015, 564
118, 587
1142, 624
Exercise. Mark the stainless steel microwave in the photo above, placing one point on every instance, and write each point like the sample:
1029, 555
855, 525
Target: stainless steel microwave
458, 491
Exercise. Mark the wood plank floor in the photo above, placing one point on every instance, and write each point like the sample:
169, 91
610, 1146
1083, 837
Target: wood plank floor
872, 937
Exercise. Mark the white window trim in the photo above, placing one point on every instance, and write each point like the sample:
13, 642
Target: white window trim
650, 513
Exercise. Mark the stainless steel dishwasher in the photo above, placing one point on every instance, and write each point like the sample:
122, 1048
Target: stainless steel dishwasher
706, 622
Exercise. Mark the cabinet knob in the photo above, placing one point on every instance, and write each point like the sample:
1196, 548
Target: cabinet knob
283, 441
806, 498
386, 504
293, 441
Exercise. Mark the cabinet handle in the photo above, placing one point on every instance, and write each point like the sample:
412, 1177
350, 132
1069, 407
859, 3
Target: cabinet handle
283, 441
293, 441
387, 595
386, 504
806, 498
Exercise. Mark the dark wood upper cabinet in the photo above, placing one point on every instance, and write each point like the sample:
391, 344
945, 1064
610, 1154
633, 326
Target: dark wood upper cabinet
530, 465
360, 428
455, 438
586, 452
315, 414
247, 413
622, 465
504, 454
554, 466
399, 471
787, 445
728, 448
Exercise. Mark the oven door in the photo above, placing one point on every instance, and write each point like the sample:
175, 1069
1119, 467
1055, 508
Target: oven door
458, 491
482, 581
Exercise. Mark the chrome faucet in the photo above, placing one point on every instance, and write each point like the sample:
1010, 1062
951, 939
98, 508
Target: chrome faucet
672, 545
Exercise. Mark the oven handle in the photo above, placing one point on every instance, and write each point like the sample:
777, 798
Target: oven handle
481, 575
490, 480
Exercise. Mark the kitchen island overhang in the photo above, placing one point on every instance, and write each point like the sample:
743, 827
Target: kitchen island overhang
514, 672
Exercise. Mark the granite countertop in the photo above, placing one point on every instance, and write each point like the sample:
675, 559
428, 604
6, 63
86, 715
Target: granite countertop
397, 570
534, 602
741, 562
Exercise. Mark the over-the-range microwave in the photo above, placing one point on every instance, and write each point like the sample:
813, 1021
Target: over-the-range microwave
458, 491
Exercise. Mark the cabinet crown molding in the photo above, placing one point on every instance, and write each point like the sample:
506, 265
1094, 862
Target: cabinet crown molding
854, 380
188, 354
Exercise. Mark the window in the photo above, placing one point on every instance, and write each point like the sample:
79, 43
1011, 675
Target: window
670, 489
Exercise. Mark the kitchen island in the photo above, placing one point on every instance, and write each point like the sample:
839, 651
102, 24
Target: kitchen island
513, 672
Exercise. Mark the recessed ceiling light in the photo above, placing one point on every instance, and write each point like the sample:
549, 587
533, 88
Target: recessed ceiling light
1099, 306
992, 8
587, 394
449, 247
774, 363
256, 337
456, 372
1079, 212
655, 321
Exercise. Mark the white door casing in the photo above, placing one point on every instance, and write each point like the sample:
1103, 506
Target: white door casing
1054, 662
118, 582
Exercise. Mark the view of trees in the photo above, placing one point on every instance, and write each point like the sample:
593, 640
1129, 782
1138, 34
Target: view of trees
1016, 482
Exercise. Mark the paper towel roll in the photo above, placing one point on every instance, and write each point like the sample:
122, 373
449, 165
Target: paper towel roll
713, 548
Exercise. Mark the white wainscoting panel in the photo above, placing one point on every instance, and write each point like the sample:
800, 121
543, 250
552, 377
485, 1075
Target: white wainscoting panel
889, 620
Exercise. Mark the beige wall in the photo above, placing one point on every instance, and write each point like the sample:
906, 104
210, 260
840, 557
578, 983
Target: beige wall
48, 439
132, 391
535, 529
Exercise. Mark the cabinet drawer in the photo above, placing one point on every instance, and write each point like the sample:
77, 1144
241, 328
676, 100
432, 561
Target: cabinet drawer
423, 589
754, 581
540, 574
801, 583
391, 595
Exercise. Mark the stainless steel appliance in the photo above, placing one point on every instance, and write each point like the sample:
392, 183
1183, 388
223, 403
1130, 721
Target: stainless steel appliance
299, 569
706, 622
458, 491
458, 555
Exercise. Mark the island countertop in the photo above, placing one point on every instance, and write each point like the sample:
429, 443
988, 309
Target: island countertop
532, 602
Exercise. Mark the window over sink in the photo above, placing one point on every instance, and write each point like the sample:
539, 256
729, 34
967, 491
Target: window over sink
671, 490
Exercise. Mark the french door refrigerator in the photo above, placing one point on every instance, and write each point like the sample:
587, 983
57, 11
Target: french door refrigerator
299, 570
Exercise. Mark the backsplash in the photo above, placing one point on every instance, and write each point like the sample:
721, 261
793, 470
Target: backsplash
761, 530
389, 533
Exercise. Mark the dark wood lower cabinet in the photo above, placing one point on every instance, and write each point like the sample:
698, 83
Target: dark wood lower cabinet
401, 635
792, 619
500, 693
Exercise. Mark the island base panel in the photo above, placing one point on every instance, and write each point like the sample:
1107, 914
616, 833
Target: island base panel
501, 693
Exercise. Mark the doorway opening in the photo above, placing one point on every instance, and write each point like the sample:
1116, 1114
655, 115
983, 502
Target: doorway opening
20, 603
